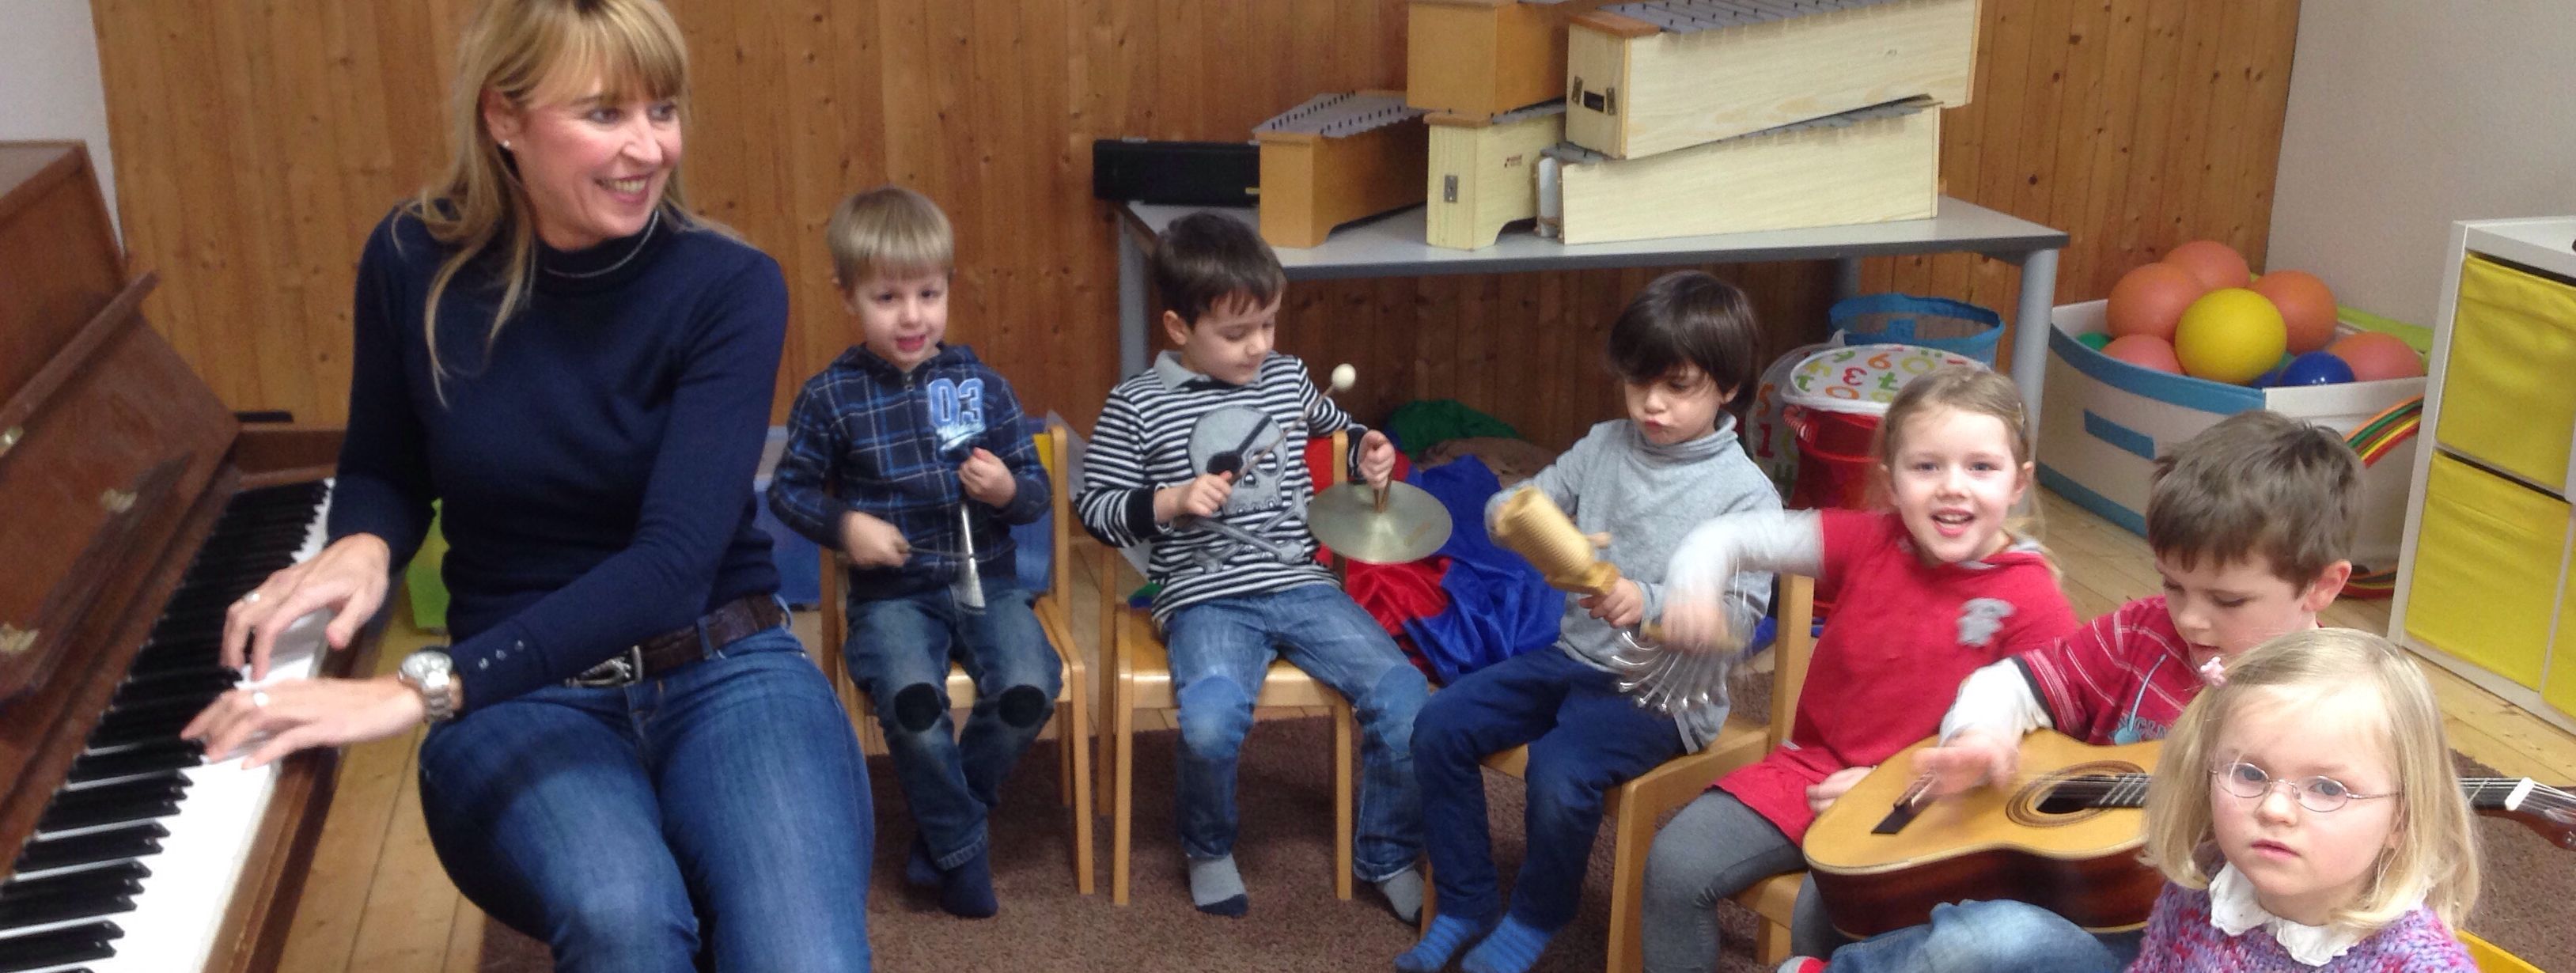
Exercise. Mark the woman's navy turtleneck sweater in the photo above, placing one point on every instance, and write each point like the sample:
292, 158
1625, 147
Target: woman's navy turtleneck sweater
593, 461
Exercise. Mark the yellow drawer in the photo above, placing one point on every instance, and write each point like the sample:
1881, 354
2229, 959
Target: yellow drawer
2506, 398
2486, 579
2560, 691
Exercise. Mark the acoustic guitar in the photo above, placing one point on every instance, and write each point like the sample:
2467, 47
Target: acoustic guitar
2065, 837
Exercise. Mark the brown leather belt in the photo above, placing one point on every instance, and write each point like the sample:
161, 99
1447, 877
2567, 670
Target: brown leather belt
652, 658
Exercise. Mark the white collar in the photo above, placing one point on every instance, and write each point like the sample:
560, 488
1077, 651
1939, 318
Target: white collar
2233, 909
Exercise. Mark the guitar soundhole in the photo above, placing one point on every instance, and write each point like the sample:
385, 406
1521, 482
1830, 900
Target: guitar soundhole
2069, 794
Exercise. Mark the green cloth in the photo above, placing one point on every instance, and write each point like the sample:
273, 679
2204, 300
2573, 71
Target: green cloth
1418, 426
428, 590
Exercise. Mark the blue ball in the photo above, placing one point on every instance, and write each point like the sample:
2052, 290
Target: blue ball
2315, 368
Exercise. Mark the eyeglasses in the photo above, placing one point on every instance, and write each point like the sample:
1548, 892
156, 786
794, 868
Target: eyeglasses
2324, 795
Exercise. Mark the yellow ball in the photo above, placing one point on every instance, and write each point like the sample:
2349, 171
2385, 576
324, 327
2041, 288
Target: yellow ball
2230, 335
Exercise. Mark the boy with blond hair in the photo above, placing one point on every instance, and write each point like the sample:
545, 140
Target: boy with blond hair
906, 455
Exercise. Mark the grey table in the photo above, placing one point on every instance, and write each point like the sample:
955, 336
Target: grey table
1392, 247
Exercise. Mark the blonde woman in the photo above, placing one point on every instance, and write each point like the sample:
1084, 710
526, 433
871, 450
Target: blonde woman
629, 756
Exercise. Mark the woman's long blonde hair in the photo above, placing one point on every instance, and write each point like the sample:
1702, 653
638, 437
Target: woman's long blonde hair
515, 48
2436, 857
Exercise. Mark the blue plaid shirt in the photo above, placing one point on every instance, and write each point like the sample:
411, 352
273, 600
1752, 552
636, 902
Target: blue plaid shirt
862, 436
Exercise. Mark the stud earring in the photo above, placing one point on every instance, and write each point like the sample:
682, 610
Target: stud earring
505, 145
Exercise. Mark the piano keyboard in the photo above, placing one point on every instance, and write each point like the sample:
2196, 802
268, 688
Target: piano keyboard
135, 858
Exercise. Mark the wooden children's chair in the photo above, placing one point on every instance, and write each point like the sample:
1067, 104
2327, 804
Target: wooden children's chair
1140, 679
1052, 606
1633, 807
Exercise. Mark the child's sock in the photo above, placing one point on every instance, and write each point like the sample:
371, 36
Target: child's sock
1510, 948
1803, 964
918, 870
966, 891
1216, 888
1403, 891
1448, 934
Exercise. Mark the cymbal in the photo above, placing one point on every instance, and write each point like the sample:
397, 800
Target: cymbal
1349, 518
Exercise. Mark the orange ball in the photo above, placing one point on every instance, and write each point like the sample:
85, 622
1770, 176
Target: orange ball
2150, 299
2375, 356
2307, 307
2144, 351
2212, 263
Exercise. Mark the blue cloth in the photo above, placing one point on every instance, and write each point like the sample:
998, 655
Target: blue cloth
2000, 936
863, 436
1584, 738
898, 652
595, 457
1499, 606
1221, 650
605, 821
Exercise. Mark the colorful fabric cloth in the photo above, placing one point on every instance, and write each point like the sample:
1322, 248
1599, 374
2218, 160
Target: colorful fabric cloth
2122, 679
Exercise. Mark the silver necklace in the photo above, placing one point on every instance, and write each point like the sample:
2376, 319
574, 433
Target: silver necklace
641, 239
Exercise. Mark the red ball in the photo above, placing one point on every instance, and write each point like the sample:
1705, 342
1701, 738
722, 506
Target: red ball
2307, 307
2375, 356
2144, 351
2150, 299
2212, 263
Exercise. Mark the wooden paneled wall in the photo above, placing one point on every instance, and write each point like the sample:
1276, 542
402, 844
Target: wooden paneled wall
257, 143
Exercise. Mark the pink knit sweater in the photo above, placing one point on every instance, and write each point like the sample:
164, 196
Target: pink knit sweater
2180, 939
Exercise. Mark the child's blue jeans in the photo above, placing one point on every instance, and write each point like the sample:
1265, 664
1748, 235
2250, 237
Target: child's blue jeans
898, 652
1221, 650
1584, 738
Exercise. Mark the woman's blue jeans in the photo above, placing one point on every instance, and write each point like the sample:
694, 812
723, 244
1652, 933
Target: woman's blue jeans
719, 812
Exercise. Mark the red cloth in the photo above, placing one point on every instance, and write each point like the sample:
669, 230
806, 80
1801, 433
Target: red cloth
2122, 679
1903, 636
1392, 593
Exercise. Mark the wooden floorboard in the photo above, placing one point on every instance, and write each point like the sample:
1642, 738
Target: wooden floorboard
377, 901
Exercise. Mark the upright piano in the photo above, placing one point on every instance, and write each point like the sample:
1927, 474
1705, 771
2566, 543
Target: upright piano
133, 509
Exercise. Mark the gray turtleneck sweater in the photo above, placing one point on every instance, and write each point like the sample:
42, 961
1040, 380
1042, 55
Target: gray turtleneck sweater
1646, 497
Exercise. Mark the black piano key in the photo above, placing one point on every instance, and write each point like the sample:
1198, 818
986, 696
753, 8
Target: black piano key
146, 759
134, 841
76, 944
205, 682
20, 915
163, 717
131, 800
119, 812
141, 729
122, 878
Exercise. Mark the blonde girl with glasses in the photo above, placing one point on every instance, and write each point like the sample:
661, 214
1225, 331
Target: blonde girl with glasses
2307, 817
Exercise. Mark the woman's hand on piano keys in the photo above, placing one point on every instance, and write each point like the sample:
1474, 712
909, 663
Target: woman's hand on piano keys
349, 578
278, 720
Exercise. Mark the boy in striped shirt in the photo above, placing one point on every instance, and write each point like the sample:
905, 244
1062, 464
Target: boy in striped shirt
1202, 457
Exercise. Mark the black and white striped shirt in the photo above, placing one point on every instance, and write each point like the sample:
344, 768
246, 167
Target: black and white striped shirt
1144, 442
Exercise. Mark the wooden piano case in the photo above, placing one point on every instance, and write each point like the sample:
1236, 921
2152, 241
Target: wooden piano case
115, 459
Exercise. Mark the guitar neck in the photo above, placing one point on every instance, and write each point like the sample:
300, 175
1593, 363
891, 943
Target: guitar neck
2508, 795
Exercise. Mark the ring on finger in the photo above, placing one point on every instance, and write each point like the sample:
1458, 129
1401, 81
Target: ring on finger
251, 598
259, 699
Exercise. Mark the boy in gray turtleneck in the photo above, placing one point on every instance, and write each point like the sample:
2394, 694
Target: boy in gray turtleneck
1682, 350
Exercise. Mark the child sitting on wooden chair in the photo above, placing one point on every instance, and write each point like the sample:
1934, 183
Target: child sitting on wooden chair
1202, 455
907, 455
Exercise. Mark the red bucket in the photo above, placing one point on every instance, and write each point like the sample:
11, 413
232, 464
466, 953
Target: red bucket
1833, 458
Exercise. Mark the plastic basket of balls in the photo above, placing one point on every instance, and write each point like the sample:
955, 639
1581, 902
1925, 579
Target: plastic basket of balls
2193, 338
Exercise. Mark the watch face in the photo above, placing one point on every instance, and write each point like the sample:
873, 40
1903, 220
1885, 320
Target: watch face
420, 667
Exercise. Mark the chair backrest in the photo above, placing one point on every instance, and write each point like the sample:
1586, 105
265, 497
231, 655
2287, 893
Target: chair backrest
1051, 449
1793, 644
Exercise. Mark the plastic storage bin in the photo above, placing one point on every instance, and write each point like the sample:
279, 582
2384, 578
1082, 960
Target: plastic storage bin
1930, 322
2103, 421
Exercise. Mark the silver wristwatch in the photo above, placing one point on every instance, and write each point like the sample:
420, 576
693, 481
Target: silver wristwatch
431, 674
